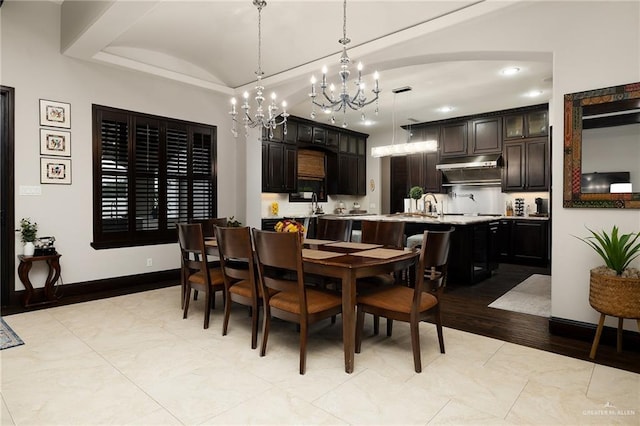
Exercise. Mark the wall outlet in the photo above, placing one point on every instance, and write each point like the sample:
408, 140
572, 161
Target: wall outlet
372, 206
149, 261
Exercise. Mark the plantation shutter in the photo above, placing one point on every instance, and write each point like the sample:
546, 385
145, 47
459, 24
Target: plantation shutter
114, 167
149, 174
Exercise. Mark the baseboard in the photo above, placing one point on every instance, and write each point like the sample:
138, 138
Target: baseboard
103, 288
586, 331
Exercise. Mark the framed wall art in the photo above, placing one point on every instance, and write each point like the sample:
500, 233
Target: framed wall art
55, 170
55, 142
55, 114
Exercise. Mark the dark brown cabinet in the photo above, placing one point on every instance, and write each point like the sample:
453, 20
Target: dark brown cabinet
485, 135
476, 136
398, 183
279, 171
453, 139
345, 150
529, 124
524, 241
526, 165
352, 165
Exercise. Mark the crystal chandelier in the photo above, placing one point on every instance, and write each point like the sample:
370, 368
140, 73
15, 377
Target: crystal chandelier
332, 104
270, 119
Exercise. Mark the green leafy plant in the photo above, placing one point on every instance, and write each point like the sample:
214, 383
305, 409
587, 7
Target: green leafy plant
617, 250
416, 192
28, 230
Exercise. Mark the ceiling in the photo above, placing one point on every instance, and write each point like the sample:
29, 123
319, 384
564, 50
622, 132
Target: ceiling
214, 45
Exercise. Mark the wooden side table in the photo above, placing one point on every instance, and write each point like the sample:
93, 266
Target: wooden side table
26, 262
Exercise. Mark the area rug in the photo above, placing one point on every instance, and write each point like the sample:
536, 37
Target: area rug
531, 296
9, 337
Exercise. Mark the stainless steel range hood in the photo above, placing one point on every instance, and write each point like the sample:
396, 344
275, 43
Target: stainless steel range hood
481, 170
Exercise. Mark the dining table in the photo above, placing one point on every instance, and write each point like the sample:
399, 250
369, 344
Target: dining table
346, 262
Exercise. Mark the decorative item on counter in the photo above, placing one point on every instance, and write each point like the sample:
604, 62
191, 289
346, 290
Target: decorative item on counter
416, 193
356, 206
233, 223
519, 207
288, 225
274, 208
28, 232
341, 208
509, 211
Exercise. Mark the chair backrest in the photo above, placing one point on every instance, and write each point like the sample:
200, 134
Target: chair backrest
192, 250
387, 233
236, 255
434, 259
279, 257
334, 229
209, 225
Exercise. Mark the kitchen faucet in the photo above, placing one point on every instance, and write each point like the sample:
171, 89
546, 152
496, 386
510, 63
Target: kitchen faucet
424, 199
314, 203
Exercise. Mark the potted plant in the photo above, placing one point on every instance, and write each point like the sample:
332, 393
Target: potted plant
28, 232
614, 288
416, 193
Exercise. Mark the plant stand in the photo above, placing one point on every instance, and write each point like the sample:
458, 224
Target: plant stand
614, 296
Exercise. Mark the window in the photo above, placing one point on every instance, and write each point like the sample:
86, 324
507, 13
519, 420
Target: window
149, 174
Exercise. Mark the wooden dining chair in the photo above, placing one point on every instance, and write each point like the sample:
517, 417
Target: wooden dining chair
412, 305
334, 229
240, 275
196, 273
390, 234
280, 268
209, 225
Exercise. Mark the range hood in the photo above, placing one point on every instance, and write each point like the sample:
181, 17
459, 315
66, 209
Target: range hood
480, 170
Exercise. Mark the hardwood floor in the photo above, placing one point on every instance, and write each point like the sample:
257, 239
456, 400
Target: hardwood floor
466, 308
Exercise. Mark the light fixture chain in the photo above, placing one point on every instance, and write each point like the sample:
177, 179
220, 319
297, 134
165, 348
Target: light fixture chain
344, 22
259, 72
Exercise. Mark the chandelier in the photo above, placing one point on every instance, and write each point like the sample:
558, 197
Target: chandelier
332, 103
268, 119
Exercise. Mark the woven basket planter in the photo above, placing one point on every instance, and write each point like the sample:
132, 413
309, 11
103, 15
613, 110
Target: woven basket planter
614, 295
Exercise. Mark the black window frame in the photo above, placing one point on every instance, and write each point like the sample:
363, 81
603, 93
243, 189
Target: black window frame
137, 151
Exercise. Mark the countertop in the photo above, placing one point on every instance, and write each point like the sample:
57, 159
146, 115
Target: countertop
454, 219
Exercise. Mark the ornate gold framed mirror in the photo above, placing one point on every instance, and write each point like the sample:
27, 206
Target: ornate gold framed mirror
602, 148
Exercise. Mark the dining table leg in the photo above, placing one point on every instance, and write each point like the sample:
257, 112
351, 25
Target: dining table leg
349, 318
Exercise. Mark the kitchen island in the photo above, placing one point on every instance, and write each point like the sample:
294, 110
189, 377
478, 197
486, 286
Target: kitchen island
474, 247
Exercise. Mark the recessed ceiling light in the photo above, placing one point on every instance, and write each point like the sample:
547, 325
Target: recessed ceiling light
534, 93
445, 108
510, 71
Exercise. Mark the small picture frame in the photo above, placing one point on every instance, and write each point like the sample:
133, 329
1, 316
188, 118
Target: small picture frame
55, 114
55, 143
55, 170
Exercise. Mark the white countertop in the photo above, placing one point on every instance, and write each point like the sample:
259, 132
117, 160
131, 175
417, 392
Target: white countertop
455, 219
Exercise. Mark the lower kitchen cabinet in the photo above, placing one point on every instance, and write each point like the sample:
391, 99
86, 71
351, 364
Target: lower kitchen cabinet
523, 241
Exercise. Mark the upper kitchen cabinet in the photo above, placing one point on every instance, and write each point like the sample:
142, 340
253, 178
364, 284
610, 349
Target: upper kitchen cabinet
352, 165
421, 168
526, 165
527, 124
475, 136
279, 167
485, 135
453, 139
305, 132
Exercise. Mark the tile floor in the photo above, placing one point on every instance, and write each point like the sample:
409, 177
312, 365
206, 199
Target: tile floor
133, 360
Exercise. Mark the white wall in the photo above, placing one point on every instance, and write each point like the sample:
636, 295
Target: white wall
33, 65
594, 45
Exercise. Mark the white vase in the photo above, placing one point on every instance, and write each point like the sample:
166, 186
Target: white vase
29, 248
